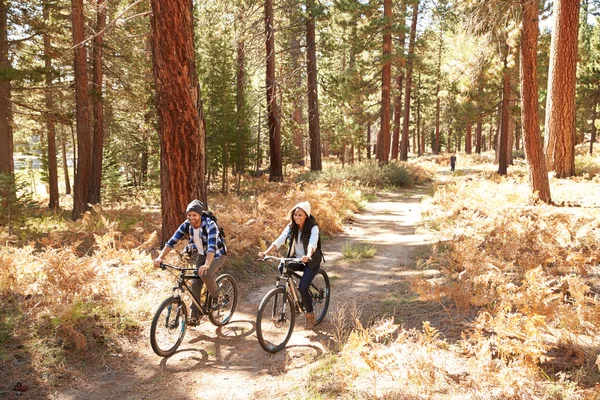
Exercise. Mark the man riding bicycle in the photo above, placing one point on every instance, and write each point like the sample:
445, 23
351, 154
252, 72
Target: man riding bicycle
206, 244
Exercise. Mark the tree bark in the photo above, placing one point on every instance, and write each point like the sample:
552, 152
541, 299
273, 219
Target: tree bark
65, 162
298, 137
7, 165
501, 151
369, 144
276, 168
82, 115
313, 98
469, 139
53, 202
180, 124
534, 151
408, 85
593, 128
438, 139
478, 135
97, 105
399, 79
383, 142
560, 103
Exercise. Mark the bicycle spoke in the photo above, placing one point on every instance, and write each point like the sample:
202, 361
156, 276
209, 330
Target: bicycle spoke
319, 292
275, 320
168, 327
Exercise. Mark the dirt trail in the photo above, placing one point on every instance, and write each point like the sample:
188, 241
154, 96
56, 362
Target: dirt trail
228, 363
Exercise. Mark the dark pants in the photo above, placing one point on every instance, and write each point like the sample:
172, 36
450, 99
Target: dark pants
307, 278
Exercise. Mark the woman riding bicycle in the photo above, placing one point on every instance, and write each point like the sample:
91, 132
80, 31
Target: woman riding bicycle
302, 235
204, 237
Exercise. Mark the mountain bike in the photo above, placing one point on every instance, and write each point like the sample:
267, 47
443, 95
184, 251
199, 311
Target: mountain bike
280, 306
171, 319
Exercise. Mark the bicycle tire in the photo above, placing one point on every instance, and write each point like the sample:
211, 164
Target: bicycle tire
320, 292
227, 302
167, 330
273, 326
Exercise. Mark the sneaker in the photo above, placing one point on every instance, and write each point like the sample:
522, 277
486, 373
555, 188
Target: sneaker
194, 319
215, 303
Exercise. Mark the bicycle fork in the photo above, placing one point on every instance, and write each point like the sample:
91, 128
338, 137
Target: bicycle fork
295, 295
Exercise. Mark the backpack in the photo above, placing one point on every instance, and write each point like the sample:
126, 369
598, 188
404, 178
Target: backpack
213, 217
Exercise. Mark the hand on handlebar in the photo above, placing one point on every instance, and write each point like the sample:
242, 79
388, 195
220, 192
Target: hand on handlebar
305, 259
157, 262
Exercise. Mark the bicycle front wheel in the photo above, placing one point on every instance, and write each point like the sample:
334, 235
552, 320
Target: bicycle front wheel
275, 320
319, 292
168, 326
225, 306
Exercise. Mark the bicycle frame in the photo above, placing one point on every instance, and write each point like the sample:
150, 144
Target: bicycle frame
289, 275
182, 285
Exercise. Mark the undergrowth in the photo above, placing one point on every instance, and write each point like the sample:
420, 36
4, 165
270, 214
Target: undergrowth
89, 287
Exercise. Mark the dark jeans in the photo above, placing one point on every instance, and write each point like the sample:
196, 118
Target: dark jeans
307, 278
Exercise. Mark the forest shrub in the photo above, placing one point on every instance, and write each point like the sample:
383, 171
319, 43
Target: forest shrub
587, 166
369, 174
16, 202
531, 268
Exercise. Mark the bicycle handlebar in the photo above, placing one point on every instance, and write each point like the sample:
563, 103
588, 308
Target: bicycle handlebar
282, 259
164, 266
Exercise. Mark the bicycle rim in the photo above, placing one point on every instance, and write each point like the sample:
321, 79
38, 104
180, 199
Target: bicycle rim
320, 292
168, 326
226, 302
275, 320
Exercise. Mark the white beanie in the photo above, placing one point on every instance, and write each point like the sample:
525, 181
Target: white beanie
304, 206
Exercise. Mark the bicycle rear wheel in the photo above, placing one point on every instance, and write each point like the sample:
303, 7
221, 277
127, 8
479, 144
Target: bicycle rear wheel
168, 326
226, 302
319, 292
275, 320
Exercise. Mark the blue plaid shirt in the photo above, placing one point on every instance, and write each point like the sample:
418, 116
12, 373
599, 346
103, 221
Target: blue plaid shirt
209, 234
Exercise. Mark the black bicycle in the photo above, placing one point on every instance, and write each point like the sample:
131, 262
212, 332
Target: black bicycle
171, 319
280, 306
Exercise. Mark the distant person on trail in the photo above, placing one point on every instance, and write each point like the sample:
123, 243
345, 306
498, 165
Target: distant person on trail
303, 239
206, 244
453, 162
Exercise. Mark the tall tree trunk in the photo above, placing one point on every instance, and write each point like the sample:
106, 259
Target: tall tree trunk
593, 128
534, 151
313, 98
258, 149
7, 165
419, 148
97, 105
560, 103
399, 79
502, 161
298, 137
438, 139
369, 144
240, 98
276, 159
180, 124
478, 135
383, 142
53, 202
144, 160
408, 86
469, 139
82, 115
63, 145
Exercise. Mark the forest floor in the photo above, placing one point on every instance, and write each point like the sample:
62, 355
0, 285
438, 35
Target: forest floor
228, 363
